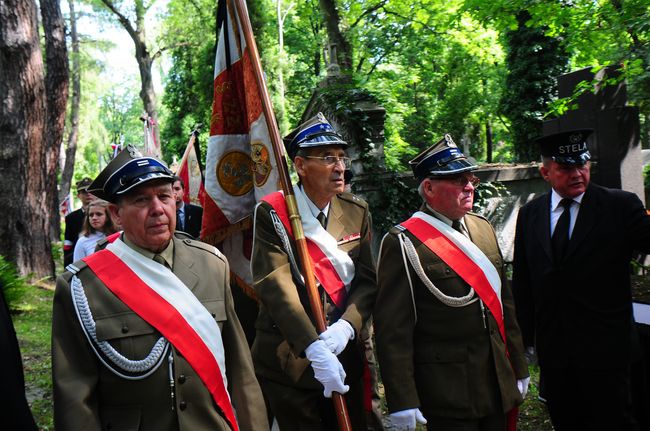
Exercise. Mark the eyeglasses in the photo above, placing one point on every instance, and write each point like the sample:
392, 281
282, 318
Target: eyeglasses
462, 180
332, 160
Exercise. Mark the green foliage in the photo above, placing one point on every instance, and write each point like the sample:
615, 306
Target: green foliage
33, 328
396, 199
12, 283
485, 191
190, 31
646, 176
534, 61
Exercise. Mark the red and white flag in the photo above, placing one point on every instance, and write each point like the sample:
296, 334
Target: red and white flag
189, 170
240, 164
65, 206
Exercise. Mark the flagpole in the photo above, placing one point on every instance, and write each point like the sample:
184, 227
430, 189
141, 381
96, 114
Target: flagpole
285, 182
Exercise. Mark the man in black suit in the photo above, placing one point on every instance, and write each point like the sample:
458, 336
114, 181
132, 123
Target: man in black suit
188, 216
571, 284
75, 220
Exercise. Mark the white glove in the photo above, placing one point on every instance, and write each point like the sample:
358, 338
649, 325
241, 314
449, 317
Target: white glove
405, 420
522, 385
337, 336
327, 368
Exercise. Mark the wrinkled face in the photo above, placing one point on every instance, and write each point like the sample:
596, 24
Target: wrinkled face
568, 181
452, 197
147, 215
97, 216
178, 192
320, 181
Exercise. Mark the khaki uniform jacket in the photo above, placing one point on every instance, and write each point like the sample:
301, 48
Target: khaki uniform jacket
284, 325
450, 362
88, 396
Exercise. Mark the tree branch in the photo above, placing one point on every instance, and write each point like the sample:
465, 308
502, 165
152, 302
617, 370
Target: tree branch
148, 6
408, 19
122, 18
158, 53
376, 7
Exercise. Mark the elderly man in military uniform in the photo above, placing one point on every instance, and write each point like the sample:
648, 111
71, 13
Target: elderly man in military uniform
144, 334
448, 344
571, 282
298, 369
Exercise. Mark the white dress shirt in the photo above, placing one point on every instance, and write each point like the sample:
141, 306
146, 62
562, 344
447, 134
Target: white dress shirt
557, 210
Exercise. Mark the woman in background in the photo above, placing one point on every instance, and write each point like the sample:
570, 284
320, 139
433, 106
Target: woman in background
97, 225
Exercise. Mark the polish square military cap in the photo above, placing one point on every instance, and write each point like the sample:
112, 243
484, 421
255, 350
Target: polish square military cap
82, 184
316, 132
126, 171
443, 158
567, 148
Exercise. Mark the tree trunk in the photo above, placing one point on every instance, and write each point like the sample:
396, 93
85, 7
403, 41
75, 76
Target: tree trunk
283, 121
73, 132
25, 223
335, 36
56, 90
488, 139
142, 56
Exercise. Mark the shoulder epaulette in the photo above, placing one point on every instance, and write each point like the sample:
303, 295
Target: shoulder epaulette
352, 198
101, 244
478, 216
190, 241
76, 266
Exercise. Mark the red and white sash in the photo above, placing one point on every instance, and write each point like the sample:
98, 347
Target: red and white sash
464, 257
333, 268
159, 297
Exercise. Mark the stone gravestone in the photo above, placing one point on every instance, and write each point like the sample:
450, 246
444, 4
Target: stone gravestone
615, 146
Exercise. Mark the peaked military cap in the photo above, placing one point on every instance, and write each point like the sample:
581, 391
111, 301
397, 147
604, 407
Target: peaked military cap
567, 148
443, 158
315, 132
127, 170
82, 184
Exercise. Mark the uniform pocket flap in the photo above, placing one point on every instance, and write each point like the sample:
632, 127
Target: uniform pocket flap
217, 308
436, 354
121, 326
436, 271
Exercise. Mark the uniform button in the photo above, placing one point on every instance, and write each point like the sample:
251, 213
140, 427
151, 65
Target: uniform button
214, 314
447, 270
182, 405
181, 379
125, 329
187, 241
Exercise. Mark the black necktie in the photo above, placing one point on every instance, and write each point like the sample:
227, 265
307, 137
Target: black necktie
179, 220
322, 219
560, 238
456, 225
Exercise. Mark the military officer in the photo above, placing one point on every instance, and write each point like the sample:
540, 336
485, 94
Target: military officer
448, 344
297, 369
144, 335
